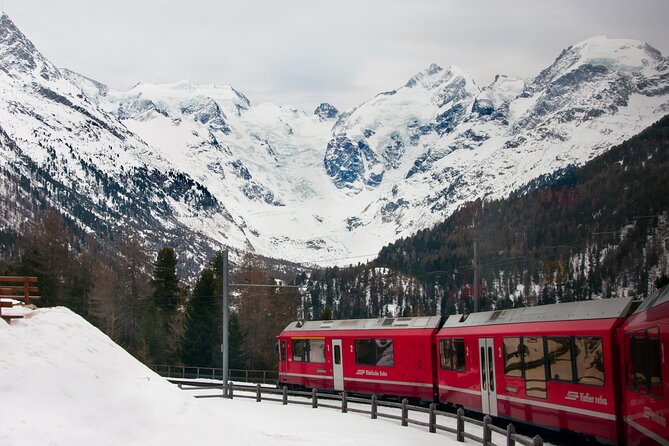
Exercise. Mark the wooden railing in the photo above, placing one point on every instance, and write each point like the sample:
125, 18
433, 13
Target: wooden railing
374, 410
19, 288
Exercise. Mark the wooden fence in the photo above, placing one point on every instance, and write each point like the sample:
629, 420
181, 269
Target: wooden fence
341, 401
16, 288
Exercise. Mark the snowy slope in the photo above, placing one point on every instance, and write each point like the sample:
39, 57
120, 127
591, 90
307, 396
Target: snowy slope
313, 188
63, 382
59, 148
201, 165
596, 94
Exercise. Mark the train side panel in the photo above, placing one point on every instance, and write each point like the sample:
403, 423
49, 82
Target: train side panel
645, 340
381, 357
560, 375
305, 360
406, 372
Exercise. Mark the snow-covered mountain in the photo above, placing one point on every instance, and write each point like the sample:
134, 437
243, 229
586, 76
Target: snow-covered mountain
203, 167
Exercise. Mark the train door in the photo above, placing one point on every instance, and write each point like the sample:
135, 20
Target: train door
282, 356
487, 369
337, 365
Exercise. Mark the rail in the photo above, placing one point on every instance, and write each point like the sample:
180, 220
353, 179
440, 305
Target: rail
187, 372
316, 400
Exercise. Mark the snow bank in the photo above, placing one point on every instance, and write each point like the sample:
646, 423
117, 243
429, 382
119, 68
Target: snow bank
63, 382
67, 383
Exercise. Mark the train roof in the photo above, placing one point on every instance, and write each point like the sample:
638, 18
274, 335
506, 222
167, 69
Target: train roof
570, 311
367, 324
658, 297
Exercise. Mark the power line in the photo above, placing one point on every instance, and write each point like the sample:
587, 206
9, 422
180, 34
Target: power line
343, 258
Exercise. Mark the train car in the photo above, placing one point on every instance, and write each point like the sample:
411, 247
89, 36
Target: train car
555, 366
386, 356
644, 340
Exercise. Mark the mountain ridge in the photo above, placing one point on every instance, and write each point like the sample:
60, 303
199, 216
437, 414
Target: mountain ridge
284, 183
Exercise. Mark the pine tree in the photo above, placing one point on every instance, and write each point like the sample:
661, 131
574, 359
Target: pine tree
202, 334
165, 281
237, 358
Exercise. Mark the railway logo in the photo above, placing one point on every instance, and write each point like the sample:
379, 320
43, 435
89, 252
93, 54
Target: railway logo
586, 398
572, 396
654, 416
361, 372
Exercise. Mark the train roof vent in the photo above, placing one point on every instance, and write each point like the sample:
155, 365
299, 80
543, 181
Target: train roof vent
497, 314
464, 317
348, 323
404, 321
388, 322
326, 324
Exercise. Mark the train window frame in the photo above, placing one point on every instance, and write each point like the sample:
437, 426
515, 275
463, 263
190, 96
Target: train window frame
302, 350
457, 357
572, 371
374, 352
520, 352
576, 351
640, 343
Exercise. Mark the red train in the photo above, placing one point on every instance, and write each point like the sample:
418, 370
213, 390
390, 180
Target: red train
597, 367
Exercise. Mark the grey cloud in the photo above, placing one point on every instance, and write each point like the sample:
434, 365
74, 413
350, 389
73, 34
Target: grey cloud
295, 50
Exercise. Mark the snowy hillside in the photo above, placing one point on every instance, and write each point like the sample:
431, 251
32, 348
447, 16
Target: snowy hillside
63, 382
202, 166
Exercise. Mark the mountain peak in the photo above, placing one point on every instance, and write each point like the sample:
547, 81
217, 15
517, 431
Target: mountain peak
18, 55
175, 93
622, 55
429, 72
326, 111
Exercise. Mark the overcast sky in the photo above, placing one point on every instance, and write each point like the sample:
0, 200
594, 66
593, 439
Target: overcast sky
303, 52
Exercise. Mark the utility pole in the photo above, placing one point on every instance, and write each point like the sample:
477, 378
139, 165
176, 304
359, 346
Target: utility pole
224, 345
477, 275
225, 350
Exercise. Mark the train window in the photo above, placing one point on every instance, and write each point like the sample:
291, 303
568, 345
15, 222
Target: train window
513, 360
317, 350
308, 350
589, 360
559, 358
638, 353
452, 353
337, 354
283, 350
654, 357
646, 357
300, 350
375, 352
535, 367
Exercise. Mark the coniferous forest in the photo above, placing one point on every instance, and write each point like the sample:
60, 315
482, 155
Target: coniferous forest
596, 231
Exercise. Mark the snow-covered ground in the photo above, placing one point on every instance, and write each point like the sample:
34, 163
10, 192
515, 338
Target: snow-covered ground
63, 382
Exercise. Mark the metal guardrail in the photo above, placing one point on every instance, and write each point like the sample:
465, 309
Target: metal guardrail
187, 372
316, 399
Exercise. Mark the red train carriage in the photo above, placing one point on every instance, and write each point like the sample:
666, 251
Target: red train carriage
644, 339
554, 365
374, 356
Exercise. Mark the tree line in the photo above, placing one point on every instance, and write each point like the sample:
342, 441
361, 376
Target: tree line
600, 230
140, 301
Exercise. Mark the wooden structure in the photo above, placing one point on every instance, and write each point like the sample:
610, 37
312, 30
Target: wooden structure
19, 288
